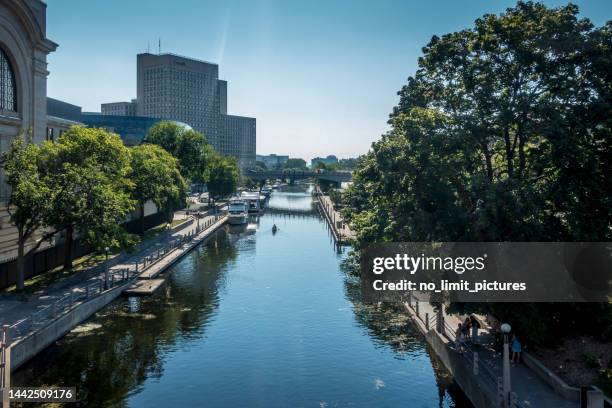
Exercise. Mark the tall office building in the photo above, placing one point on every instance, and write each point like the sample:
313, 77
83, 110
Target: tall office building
119, 108
189, 90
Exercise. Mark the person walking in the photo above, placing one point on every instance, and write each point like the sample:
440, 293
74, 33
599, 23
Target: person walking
467, 329
516, 349
459, 338
475, 327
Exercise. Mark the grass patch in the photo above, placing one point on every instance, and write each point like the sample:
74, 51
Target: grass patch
178, 222
152, 232
45, 279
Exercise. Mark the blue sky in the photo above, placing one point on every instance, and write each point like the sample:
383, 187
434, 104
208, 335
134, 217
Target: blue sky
320, 76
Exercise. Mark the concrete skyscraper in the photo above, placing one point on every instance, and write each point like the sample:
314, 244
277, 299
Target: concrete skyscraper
190, 91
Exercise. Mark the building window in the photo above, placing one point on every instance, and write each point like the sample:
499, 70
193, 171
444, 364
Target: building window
8, 90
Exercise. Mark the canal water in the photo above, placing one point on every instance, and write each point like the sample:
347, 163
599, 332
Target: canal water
251, 318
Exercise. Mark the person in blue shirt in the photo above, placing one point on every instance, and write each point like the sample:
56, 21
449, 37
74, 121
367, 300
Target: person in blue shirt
516, 347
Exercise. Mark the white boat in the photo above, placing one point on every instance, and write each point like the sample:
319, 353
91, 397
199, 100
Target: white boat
252, 200
237, 211
275, 186
266, 190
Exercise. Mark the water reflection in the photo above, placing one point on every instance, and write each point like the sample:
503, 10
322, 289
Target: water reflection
249, 319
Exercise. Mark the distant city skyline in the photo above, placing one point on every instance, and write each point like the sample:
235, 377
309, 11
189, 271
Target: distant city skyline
320, 77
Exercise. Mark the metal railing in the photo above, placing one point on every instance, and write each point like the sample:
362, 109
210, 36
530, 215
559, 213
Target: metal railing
468, 354
67, 302
116, 277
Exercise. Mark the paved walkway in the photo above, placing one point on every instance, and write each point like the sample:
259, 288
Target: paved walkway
13, 308
344, 232
530, 389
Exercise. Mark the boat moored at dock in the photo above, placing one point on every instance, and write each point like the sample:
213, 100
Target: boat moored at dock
252, 199
238, 211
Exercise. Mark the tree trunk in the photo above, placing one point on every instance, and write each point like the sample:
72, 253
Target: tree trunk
509, 153
142, 221
20, 261
68, 248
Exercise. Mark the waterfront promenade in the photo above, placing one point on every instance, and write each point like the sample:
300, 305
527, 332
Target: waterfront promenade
478, 376
40, 310
342, 232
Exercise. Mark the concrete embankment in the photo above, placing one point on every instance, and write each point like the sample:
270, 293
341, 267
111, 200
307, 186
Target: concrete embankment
480, 393
31, 344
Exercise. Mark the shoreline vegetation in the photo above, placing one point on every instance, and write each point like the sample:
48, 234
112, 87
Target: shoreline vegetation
503, 134
85, 184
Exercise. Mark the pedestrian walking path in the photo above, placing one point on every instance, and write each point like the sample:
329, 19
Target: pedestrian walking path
80, 286
530, 389
341, 230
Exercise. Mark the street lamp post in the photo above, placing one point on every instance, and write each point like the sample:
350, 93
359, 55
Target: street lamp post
506, 328
106, 269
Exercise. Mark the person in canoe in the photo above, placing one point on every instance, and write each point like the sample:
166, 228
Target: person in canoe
274, 229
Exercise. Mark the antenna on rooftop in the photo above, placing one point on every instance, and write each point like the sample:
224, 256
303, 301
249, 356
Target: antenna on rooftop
159, 46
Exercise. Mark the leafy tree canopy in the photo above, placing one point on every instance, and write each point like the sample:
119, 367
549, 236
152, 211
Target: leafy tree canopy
87, 170
156, 177
194, 154
503, 134
295, 164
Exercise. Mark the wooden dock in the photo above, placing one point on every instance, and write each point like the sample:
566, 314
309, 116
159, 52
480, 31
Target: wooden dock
144, 287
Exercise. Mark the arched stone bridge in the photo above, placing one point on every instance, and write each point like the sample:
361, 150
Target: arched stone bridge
331, 176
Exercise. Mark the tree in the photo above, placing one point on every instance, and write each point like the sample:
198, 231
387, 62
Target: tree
29, 198
87, 170
295, 164
260, 166
224, 176
156, 177
188, 146
503, 134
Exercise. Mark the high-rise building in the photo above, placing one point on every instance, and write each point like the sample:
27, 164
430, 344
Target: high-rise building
189, 90
272, 160
331, 159
119, 108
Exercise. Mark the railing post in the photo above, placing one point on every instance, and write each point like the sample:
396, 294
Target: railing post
427, 321
416, 303
5, 363
513, 400
440, 319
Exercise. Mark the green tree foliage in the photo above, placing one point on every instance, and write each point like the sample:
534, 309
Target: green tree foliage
260, 166
224, 176
156, 177
87, 169
503, 134
29, 198
295, 164
194, 154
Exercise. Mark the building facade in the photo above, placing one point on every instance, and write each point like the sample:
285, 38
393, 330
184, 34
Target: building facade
24, 47
131, 129
272, 160
119, 108
331, 159
190, 91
